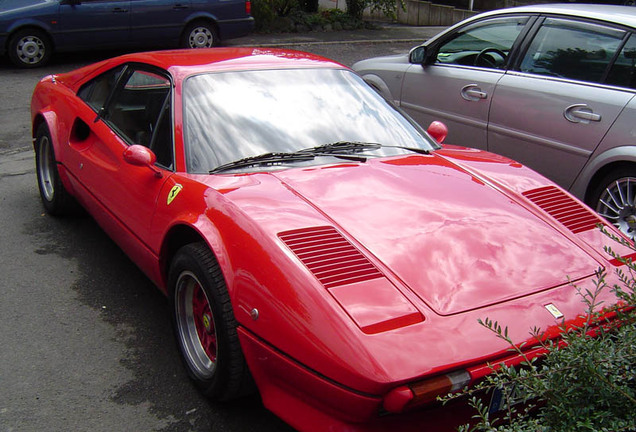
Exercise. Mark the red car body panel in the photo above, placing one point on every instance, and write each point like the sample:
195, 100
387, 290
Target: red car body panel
449, 238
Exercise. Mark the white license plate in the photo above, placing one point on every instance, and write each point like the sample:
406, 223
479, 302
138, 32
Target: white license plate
498, 400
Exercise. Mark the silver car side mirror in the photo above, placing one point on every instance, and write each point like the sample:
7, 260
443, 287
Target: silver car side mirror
417, 55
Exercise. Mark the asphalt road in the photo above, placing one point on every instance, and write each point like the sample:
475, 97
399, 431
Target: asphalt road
85, 339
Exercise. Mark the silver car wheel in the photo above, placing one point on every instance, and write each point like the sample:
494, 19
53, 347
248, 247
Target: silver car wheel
195, 326
30, 49
201, 37
46, 168
617, 204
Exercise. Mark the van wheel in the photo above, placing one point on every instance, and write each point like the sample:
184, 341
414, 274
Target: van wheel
30, 48
200, 34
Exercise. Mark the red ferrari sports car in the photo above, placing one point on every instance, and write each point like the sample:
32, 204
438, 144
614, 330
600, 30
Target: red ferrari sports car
315, 244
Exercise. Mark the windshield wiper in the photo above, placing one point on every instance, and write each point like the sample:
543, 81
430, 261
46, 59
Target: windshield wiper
356, 146
341, 147
281, 157
263, 159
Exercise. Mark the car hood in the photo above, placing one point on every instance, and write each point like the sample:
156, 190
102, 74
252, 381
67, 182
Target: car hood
457, 240
376, 62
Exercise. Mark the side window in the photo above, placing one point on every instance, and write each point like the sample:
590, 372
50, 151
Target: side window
95, 92
574, 50
623, 72
140, 112
484, 44
161, 142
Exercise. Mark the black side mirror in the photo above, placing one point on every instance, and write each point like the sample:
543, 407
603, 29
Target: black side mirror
418, 55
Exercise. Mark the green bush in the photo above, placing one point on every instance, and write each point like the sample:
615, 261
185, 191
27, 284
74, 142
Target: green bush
355, 8
309, 6
303, 15
587, 385
267, 12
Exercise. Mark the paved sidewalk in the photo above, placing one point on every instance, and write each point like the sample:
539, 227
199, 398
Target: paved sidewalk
386, 33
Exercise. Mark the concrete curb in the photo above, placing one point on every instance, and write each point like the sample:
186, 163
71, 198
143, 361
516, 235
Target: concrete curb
344, 42
384, 34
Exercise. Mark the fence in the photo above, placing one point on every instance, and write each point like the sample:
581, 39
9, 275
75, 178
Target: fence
424, 13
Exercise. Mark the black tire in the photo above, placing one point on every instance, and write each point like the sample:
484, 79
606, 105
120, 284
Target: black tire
614, 198
30, 48
200, 34
55, 198
205, 326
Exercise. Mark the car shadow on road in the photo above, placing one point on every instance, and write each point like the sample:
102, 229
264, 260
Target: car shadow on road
128, 301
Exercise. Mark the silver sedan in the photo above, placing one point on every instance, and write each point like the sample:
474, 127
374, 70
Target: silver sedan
551, 86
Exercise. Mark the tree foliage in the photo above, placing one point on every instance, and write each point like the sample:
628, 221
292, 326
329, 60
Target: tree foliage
586, 382
267, 12
355, 8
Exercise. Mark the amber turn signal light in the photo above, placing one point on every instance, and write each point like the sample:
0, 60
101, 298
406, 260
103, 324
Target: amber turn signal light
421, 392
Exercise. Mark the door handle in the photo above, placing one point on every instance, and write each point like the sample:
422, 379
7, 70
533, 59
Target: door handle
473, 93
179, 6
120, 10
581, 113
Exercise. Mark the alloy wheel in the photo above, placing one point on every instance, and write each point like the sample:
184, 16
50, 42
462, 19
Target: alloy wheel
617, 205
195, 326
46, 168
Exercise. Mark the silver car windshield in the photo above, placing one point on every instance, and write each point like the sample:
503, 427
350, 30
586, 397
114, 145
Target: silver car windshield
234, 115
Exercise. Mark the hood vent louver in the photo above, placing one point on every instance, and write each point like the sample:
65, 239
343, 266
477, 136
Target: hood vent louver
332, 259
563, 208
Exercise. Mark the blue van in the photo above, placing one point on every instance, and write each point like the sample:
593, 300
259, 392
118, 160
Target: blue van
30, 30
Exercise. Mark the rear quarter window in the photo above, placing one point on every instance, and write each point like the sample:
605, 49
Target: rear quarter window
95, 92
623, 72
574, 50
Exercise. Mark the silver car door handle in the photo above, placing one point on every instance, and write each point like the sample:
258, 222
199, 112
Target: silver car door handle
120, 10
472, 92
581, 113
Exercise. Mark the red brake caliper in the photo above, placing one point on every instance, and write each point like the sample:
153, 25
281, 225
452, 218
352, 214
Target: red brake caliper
204, 322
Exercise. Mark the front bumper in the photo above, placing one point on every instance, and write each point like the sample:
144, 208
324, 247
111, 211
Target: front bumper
311, 402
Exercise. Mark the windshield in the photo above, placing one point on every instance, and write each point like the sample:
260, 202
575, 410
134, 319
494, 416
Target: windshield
233, 115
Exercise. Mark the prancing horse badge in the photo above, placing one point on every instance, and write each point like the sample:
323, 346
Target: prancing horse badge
174, 192
554, 311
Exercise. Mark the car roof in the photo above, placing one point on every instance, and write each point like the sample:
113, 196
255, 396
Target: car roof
185, 62
623, 15
215, 59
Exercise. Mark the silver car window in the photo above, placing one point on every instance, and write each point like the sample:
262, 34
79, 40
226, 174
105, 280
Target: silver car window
492, 38
573, 50
623, 72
